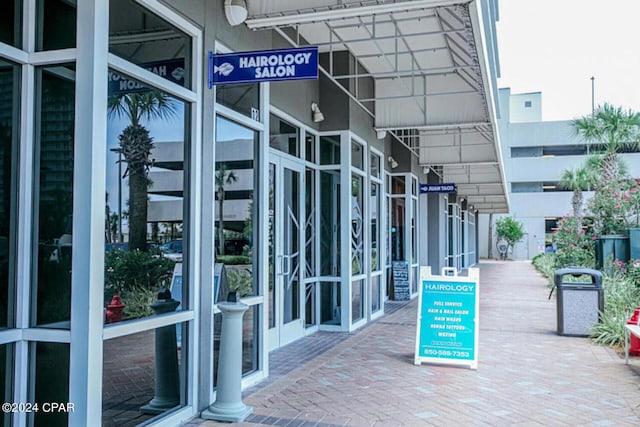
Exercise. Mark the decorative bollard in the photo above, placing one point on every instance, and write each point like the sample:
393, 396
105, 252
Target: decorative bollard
228, 405
167, 379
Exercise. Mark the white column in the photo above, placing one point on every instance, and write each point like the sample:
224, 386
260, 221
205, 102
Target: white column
85, 381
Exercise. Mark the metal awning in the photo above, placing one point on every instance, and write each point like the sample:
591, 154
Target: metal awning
434, 88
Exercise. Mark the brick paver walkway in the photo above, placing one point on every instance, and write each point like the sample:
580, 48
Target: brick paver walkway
527, 374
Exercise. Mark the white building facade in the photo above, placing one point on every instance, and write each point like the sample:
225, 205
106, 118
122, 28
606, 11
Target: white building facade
323, 206
537, 153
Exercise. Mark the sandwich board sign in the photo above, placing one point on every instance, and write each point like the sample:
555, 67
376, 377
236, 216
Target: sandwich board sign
401, 285
447, 321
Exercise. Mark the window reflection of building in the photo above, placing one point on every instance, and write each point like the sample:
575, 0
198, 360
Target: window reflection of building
236, 155
54, 178
145, 42
145, 39
8, 171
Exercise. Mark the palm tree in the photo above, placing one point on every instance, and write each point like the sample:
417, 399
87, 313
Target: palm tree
136, 146
614, 129
223, 177
577, 180
595, 167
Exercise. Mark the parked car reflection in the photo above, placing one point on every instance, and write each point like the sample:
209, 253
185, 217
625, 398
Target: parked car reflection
172, 250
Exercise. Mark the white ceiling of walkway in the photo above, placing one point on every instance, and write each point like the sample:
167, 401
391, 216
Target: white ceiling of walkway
433, 86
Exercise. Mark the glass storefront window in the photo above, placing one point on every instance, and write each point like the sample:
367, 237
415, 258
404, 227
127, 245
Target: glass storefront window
146, 188
375, 293
397, 229
235, 211
310, 304
49, 381
357, 300
56, 24
11, 23
6, 379
250, 331
330, 223
284, 136
357, 225
149, 41
250, 321
330, 150
9, 125
357, 155
330, 303
243, 98
374, 166
375, 226
310, 224
398, 185
310, 148
130, 372
450, 225
272, 253
53, 181
414, 232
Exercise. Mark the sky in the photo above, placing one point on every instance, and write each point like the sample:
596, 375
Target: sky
556, 46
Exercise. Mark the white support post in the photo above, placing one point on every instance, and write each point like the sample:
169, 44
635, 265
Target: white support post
85, 381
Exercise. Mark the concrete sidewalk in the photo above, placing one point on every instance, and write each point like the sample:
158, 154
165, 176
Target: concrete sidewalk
527, 374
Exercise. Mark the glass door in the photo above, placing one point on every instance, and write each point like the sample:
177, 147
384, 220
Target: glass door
286, 298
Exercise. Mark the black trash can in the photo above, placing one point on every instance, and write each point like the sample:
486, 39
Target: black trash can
579, 304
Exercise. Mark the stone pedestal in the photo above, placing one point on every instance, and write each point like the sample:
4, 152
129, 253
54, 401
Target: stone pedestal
228, 405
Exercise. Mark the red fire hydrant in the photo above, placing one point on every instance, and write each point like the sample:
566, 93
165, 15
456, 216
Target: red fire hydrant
634, 343
113, 312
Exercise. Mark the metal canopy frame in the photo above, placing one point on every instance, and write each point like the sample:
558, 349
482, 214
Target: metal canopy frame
427, 62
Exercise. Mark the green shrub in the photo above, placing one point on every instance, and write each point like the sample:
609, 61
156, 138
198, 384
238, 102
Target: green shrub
633, 271
546, 265
233, 259
574, 243
137, 300
137, 276
621, 297
240, 280
509, 230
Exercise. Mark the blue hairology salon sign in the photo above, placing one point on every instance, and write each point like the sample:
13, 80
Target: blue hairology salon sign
265, 65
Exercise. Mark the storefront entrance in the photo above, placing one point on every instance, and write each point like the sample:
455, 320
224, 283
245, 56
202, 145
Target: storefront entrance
286, 322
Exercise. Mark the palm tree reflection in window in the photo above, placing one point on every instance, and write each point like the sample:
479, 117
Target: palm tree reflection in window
136, 145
